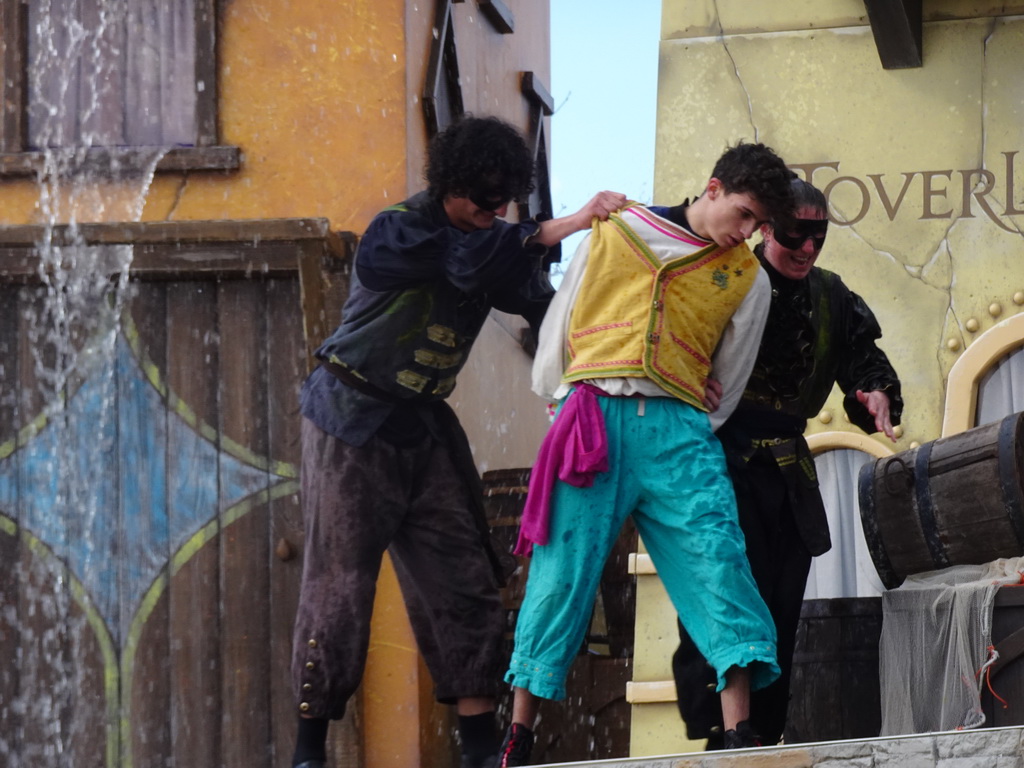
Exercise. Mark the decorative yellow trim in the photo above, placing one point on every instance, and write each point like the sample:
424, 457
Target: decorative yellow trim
441, 335
118, 710
431, 358
81, 597
208, 531
245, 506
30, 430
830, 441
111, 683
186, 414
131, 645
198, 540
962, 383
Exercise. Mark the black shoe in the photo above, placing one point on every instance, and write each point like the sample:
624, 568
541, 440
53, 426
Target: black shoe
716, 739
741, 738
312, 764
515, 749
483, 762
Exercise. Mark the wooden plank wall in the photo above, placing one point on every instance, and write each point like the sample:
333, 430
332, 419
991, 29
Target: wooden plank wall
201, 676
131, 82
191, 320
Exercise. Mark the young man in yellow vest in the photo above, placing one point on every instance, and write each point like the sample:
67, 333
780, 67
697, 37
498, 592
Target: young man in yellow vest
655, 302
818, 334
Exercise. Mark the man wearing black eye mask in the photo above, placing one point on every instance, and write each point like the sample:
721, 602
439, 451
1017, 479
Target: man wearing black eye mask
818, 333
800, 239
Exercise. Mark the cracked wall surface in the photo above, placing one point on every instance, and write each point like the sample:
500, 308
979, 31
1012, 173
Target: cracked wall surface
923, 168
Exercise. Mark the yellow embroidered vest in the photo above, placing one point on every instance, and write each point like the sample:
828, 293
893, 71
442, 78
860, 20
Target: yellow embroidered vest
637, 316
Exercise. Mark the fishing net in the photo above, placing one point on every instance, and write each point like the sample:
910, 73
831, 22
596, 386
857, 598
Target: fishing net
935, 646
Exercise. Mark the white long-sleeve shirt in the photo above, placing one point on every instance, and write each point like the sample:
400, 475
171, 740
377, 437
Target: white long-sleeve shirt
731, 362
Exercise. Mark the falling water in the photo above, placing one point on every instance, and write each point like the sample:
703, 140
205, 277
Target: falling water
65, 452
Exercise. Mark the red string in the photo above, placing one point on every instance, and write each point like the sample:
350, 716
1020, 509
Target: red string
988, 679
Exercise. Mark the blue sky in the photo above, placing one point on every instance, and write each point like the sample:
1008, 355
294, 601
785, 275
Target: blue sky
604, 78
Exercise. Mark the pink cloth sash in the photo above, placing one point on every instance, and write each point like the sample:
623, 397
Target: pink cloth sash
574, 450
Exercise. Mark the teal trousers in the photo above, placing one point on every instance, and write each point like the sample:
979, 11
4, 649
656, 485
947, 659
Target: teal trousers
667, 469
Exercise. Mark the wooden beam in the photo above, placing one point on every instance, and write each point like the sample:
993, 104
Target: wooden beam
220, 158
535, 90
190, 249
499, 15
207, 128
442, 92
244, 231
539, 202
324, 286
640, 564
14, 44
896, 26
652, 692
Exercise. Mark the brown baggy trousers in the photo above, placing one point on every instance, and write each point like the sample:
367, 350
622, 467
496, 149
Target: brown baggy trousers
414, 503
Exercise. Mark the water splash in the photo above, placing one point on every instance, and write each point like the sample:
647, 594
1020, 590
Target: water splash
72, 322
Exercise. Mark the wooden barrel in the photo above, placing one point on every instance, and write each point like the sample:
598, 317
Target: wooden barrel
504, 497
834, 684
954, 501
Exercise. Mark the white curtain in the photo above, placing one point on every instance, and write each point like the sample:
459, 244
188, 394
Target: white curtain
846, 570
1001, 389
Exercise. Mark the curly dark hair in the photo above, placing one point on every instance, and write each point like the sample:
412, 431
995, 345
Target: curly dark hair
479, 153
756, 170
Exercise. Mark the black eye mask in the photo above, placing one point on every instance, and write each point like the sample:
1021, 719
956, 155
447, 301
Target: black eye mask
490, 199
795, 232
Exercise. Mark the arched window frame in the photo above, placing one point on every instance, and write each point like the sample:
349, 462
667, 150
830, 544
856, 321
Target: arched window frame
989, 348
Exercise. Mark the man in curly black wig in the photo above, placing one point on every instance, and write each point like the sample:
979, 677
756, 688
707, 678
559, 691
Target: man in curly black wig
484, 161
385, 463
818, 333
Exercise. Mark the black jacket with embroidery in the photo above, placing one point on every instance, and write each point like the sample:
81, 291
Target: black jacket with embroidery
421, 290
818, 333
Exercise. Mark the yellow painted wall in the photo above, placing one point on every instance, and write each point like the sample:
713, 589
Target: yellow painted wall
823, 101
939, 265
313, 92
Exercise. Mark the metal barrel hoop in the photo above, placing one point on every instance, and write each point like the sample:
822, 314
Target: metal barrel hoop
888, 477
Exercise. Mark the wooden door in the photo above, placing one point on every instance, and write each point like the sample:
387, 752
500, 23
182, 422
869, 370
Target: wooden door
150, 531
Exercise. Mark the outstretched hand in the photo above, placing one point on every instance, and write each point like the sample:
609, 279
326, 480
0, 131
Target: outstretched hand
877, 404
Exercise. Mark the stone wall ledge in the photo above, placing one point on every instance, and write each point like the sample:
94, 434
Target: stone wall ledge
982, 748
